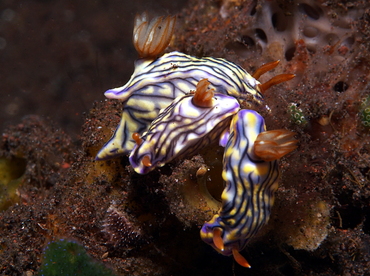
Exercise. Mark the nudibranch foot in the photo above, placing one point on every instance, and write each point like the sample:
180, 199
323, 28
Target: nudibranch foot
152, 38
274, 144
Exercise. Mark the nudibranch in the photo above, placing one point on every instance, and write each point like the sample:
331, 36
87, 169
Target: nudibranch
188, 124
162, 120
251, 183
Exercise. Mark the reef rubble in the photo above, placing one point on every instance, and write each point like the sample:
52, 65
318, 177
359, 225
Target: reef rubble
149, 224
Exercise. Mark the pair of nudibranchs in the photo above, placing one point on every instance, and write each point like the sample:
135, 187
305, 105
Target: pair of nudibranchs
176, 104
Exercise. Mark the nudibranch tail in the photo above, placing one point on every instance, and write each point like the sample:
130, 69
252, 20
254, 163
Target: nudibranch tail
275, 80
203, 94
122, 140
274, 144
151, 38
265, 68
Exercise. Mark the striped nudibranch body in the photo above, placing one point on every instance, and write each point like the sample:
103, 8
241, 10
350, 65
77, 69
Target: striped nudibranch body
183, 128
250, 186
156, 83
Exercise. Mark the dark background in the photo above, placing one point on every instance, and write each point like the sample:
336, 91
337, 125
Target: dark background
57, 57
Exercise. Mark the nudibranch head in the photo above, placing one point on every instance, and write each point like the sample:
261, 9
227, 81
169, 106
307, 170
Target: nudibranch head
182, 129
152, 38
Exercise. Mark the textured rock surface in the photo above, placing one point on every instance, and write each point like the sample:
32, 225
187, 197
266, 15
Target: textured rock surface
139, 225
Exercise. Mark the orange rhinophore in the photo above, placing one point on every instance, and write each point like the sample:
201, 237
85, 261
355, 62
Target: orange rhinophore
203, 95
275, 80
265, 68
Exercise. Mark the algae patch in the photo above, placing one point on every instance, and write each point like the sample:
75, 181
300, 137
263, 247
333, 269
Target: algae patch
65, 257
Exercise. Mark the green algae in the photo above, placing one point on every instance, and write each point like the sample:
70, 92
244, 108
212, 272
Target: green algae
365, 112
68, 258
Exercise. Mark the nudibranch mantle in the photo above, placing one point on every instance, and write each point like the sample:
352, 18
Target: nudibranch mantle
155, 83
183, 128
250, 187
